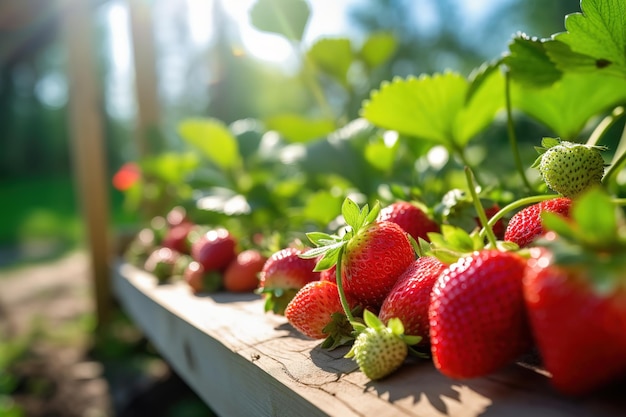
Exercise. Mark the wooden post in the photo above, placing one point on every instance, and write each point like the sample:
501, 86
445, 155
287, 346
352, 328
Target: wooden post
145, 74
87, 142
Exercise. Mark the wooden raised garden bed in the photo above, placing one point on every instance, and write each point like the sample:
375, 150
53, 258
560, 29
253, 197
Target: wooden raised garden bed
244, 362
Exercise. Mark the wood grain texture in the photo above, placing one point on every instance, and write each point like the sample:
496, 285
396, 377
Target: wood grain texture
244, 362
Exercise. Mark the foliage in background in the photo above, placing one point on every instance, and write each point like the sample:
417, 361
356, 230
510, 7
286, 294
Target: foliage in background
411, 135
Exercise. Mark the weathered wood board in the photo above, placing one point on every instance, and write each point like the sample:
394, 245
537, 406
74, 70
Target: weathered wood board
244, 362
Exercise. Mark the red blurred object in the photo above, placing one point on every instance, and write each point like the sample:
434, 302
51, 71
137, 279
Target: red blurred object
126, 176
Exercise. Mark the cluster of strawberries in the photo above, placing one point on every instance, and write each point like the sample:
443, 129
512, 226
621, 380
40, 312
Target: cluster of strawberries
208, 259
394, 282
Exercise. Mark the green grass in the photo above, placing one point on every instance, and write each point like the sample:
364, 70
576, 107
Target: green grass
41, 219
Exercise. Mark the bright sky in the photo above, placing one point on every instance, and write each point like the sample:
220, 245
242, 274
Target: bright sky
328, 17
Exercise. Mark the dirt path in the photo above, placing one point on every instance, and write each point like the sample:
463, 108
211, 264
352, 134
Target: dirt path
50, 306
41, 305
54, 292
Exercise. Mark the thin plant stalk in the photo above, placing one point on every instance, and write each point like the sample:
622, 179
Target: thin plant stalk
511, 130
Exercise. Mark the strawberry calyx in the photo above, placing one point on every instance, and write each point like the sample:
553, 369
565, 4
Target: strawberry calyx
548, 143
276, 298
340, 330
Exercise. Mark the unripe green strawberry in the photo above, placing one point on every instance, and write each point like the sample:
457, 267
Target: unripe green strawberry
378, 349
569, 168
161, 263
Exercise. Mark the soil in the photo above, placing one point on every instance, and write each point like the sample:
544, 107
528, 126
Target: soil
62, 370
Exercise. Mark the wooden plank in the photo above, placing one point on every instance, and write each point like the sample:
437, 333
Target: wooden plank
244, 362
87, 134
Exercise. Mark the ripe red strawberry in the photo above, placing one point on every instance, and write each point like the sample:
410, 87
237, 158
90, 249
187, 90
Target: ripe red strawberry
409, 299
374, 259
316, 312
282, 276
575, 292
200, 280
580, 331
242, 274
525, 226
477, 314
214, 250
413, 219
176, 237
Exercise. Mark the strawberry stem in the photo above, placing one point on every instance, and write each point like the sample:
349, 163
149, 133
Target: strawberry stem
606, 123
491, 237
618, 160
342, 294
511, 130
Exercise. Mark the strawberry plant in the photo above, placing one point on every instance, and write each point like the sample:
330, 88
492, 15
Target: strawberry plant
423, 268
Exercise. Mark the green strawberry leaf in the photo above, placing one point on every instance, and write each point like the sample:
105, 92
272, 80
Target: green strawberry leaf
452, 243
363, 214
480, 75
330, 256
380, 155
171, 167
570, 61
457, 238
546, 143
373, 214
351, 213
595, 217
599, 33
371, 320
413, 340
339, 331
213, 139
593, 223
568, 104
322, 207
299, 129
396, 326
283, 17
434, 108
322, 239
332, 56
529, 63
321, 250
559, 224
378, 48
549, 142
